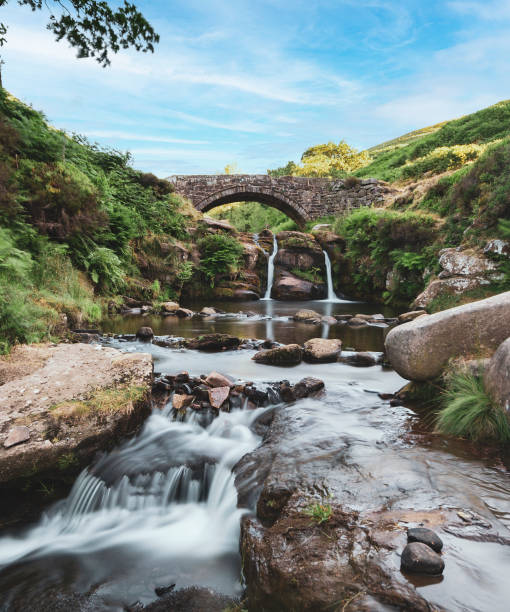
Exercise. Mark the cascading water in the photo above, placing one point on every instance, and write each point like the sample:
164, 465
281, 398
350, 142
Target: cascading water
164, 500
332, 297
270, 269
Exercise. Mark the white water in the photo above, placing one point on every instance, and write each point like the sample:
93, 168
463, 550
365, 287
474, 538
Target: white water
270, 269
166, 498
332, 297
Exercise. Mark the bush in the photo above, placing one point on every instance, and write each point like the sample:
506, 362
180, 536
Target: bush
470, 412
379, 241
105, 269
220, 255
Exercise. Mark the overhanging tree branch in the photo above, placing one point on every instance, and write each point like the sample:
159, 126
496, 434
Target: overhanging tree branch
93, 27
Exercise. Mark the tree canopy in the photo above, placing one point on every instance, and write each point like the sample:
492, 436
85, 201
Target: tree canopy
94, 27
329, 159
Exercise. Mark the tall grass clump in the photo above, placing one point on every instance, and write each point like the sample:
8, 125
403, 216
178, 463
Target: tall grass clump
470, 412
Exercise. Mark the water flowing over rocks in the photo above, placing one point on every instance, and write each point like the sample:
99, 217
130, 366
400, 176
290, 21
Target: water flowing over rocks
420, 349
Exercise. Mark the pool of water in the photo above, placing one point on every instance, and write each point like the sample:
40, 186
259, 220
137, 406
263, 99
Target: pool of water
263, 319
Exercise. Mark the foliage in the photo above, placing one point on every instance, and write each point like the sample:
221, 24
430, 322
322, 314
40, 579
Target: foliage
220, 255
319, 513
105, 268
252, 216
288, 170
380, 241
93, 27
442, 159
470, 412
474, 199
436, 148
331, 160
313, 275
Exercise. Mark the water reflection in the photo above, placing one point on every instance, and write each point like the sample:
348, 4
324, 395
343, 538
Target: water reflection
264, 319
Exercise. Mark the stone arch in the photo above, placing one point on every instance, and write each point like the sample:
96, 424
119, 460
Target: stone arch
253, 193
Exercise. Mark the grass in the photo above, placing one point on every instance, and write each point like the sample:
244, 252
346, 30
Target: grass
446, 301
113, 400
319, 513
470, 412
438, 148
313, 275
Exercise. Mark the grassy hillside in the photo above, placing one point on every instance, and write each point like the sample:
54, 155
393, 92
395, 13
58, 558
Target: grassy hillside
78, 226
449, 147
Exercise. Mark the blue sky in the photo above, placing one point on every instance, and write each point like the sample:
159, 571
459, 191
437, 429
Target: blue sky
256, 82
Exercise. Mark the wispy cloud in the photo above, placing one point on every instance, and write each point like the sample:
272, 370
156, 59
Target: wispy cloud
134, 137
489, 10
259, 82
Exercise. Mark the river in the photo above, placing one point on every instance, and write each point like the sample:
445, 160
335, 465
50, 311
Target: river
161, 509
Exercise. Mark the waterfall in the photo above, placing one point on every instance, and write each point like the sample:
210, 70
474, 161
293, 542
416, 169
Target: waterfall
331, 292
270, 269
165, 498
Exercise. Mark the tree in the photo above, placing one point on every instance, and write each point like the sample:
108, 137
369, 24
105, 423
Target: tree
331, 159
231, 169
93, 27
288, 170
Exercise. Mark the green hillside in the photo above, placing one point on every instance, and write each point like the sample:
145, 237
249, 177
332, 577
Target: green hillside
436, 149
78, 226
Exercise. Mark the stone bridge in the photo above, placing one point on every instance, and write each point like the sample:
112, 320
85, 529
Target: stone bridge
301, 198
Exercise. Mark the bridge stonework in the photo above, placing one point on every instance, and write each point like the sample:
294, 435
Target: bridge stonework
301, 198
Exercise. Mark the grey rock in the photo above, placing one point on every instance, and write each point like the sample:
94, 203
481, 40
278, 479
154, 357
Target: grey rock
419, 558
425, 536
419, 350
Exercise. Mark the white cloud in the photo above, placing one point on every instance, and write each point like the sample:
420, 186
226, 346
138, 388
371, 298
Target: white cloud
489, 10
141, 137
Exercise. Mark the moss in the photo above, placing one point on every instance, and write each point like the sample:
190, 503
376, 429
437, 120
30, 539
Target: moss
314, 275
101, 402
444, 302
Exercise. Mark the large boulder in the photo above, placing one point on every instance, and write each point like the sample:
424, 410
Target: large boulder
289, 354
420, 349
497, 376
66, 404
456, 285
322, 350
464, 263
287, 286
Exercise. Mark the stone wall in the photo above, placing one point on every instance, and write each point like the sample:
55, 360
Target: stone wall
301, 198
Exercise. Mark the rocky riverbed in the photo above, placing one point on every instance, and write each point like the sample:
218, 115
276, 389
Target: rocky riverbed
311, 497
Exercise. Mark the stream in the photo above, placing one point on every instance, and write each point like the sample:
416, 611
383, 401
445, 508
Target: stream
161, 509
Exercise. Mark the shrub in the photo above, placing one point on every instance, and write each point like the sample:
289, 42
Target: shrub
470, 412
220, 255
105, 269
379, 241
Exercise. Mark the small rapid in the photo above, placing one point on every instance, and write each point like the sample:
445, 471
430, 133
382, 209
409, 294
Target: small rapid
165, 499
270, 269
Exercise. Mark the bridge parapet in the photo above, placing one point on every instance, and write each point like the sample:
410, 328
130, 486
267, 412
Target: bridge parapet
302, 198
